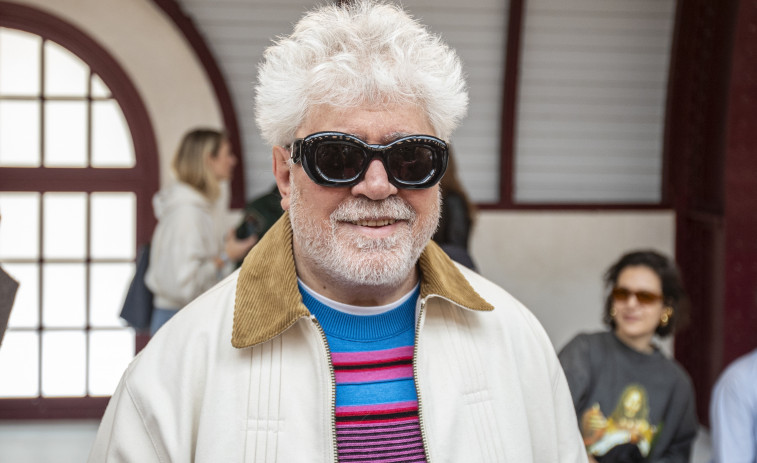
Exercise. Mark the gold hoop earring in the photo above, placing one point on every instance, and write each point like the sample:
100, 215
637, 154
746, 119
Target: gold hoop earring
665, 318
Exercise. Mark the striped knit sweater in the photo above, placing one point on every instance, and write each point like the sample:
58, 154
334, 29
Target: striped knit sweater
376, 400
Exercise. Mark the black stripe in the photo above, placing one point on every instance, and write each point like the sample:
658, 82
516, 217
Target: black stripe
417, 456
387, 426
398, 447
382, 413
376, 432
371, 365
376, 439
418, 449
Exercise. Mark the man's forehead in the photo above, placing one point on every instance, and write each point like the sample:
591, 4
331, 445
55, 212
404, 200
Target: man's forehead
373, 125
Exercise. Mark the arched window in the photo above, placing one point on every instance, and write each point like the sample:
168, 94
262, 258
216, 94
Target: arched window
78, 169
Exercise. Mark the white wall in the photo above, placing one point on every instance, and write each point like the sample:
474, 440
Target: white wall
553, 262
152, 51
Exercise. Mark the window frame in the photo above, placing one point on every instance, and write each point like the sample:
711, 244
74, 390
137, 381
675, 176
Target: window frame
142, 179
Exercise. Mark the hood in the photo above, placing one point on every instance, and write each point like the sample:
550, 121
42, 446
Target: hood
175, 195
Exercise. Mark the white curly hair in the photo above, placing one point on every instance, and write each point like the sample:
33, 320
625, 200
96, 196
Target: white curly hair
364, 52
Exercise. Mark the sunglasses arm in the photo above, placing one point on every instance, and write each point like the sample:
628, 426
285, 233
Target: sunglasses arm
295, 152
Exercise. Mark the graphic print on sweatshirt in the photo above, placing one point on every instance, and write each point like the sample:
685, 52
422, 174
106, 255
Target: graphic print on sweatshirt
627, 424
376, 400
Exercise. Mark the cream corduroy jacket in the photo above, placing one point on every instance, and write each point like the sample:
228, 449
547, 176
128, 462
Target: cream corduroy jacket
242, 374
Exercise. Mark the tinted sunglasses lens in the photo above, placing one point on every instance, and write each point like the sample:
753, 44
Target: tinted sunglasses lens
338, 161
645, 297
412, 163
621, 294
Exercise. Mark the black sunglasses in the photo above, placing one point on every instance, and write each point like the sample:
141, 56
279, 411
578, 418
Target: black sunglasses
337, 159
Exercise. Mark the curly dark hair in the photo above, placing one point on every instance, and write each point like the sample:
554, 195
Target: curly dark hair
673, 293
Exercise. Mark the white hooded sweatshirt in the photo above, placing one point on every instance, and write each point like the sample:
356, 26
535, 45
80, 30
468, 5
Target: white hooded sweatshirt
185, 244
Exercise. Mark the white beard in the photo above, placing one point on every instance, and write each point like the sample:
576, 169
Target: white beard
354, 259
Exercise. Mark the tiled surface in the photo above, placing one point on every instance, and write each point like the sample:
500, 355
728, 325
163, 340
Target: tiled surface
46, 441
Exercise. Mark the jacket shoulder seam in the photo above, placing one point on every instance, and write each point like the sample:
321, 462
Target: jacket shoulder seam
138, 408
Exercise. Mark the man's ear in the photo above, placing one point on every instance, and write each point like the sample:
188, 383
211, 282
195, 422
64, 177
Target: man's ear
281, 174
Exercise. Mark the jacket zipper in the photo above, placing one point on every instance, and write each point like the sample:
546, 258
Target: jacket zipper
415, 378
333, 387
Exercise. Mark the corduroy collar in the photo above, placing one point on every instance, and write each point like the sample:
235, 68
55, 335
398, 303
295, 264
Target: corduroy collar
268, 301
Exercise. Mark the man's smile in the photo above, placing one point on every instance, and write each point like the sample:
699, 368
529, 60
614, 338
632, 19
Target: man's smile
373, 223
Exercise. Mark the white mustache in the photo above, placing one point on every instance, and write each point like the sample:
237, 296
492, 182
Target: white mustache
366, 209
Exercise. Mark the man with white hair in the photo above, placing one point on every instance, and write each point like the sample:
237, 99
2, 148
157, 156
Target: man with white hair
353, 337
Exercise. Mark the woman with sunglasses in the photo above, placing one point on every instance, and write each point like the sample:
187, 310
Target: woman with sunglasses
633, 403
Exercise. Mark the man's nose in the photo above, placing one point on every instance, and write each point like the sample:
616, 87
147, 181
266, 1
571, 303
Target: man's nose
375, 184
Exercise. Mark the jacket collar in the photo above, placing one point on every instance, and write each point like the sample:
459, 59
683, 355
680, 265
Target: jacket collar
268, 301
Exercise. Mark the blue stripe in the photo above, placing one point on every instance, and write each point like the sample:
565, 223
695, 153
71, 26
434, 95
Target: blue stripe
404, 338
375, 393
361, 328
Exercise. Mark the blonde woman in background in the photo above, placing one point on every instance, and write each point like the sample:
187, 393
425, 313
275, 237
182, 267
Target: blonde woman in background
191, 250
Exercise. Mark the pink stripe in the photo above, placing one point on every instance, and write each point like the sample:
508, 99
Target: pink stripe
372, 356
416, 459
358, 424
384, 422
404, 438
357, 427
404, 459
373, 417
362, 440
374, 374
388, 421
361, 445
390, 407
391, 456
364, 433
398, 450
